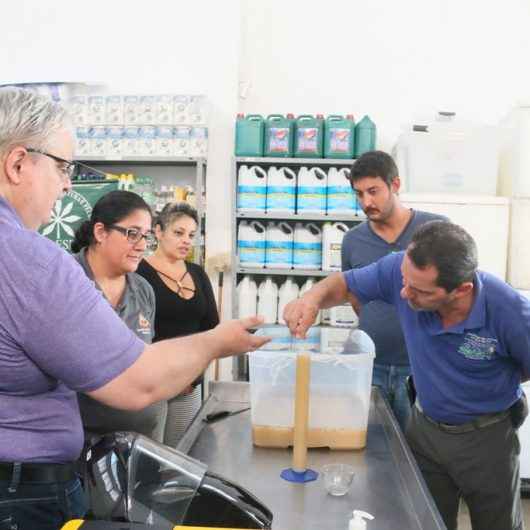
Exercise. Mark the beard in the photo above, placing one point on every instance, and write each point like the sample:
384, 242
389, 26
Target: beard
379, 216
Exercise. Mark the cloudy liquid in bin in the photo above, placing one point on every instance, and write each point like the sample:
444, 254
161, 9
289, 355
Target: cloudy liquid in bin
337, 422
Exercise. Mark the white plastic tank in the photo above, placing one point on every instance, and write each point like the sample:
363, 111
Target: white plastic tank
449, 155
251, 189
289, 291
332, 235
486, 219
311, 190
279, 246
514, 171
281, 190
268, 300
251, 244
518, 248
307, 250
340, 197
247, 297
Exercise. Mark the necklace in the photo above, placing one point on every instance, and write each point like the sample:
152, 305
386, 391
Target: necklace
180, 285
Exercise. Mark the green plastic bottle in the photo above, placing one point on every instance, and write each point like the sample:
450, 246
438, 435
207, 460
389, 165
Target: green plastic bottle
365, 136
309, 136
250, 133
339, 136
279, 136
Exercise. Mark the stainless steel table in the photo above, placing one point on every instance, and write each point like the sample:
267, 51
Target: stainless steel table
387, 482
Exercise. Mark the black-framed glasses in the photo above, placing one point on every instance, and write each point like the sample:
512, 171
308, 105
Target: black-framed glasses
134, 235
70, 169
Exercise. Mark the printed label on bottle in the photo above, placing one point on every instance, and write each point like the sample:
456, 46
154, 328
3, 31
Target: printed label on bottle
252, 197
340, 140
308, 254
279, 139
279, 253
251, 251
281, 197
341, 198
311, 198
307, 140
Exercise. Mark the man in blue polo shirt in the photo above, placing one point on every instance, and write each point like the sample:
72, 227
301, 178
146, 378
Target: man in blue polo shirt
468, 338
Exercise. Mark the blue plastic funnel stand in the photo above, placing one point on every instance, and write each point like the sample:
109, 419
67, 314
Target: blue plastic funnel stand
299, 472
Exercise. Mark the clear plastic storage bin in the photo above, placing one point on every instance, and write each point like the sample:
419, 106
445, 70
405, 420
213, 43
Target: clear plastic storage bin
340, 386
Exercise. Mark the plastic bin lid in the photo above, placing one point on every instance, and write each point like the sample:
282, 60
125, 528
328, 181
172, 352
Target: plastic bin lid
324, 340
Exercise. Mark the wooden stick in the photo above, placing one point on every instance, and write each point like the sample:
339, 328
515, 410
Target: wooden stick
301, 412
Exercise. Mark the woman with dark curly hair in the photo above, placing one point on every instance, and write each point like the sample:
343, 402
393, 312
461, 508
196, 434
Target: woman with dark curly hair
185, 303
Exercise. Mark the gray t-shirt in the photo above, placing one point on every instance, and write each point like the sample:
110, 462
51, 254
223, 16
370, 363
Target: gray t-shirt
137, 309
58, 336
361, 246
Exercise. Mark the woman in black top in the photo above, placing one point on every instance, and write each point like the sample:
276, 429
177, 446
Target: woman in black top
185, 302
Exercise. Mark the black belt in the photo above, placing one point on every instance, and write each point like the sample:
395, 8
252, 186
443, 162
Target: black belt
32, 472
484, 420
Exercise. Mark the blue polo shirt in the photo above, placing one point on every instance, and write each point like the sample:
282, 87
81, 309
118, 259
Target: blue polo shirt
468, 369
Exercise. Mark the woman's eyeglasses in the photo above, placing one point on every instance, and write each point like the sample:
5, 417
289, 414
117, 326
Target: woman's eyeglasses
134, 235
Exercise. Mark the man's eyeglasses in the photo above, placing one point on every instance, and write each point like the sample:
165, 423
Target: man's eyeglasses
70, 169
134, 235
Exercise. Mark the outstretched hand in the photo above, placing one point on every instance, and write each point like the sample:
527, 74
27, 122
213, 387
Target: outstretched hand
235, 338
300, 315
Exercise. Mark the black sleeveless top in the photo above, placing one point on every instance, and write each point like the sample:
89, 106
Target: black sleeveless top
175, 316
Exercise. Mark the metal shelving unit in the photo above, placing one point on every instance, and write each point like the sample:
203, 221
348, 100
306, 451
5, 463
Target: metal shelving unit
283, 272
277, 161
239, 271
166, 162
299, 217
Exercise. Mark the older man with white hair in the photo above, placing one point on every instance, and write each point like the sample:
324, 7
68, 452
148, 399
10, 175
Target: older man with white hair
58, 335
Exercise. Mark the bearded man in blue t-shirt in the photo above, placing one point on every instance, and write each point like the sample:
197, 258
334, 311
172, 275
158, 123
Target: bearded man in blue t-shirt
389, 227
468, 339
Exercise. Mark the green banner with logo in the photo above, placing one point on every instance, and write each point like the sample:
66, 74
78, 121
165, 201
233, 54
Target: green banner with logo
74, 208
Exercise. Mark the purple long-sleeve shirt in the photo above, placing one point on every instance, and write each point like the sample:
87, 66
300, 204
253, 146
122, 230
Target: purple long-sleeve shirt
58, 336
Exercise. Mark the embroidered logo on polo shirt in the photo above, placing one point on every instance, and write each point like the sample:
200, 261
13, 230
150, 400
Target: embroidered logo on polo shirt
478, 348
144, 324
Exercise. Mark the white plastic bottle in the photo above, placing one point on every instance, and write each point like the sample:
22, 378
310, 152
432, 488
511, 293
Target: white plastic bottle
281, 190
308, 285
251, 244
247, 297
358, 521
279, 246
332, 235
307, 248
251, 189
311, 191
289, 291
343, 316
268, 301
340, 197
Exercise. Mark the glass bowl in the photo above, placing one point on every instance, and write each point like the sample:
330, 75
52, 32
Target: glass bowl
337, 478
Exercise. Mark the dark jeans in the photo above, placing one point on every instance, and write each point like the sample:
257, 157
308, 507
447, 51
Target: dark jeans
40, 505
390, 380
482, 466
